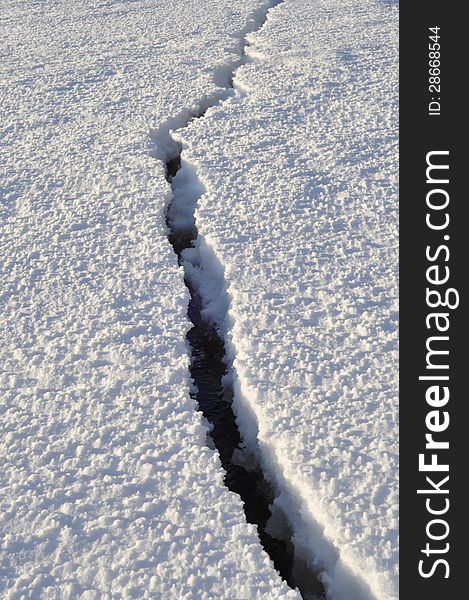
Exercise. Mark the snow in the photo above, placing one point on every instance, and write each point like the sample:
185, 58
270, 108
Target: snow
107, 487
297, 259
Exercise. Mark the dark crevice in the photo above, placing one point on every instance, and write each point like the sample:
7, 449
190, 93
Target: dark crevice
214, 395
208, 369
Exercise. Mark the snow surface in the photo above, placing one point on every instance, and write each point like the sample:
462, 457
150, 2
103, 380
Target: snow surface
299, 222
107, 489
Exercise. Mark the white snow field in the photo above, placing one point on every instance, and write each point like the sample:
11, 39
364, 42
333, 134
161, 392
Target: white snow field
298, 235
107, 487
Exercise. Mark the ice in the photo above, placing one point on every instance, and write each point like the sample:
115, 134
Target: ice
107, 487
297, 260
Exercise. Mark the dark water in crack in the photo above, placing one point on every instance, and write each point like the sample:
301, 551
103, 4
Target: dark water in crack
214, 400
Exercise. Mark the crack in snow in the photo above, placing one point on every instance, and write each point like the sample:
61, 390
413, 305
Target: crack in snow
213, 379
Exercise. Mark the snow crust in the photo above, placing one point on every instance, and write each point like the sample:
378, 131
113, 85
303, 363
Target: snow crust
299, 215
107, 489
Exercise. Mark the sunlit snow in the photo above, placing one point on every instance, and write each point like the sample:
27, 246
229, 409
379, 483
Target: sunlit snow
108, 486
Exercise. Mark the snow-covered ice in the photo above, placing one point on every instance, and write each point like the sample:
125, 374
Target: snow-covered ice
299, 215
107, 488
